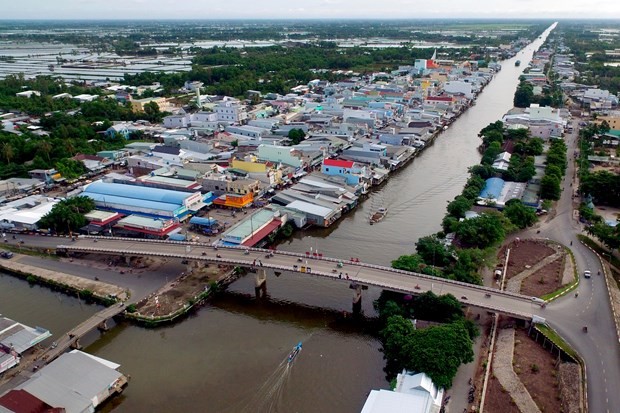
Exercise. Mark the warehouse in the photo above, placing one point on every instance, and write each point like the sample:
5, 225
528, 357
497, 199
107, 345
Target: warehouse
150, 202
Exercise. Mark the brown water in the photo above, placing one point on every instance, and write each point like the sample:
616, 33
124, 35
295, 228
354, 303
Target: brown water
229, 356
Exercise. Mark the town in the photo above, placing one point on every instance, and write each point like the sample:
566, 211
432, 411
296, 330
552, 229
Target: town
124, 178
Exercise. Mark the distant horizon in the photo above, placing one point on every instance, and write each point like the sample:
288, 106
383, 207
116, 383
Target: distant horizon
132, 10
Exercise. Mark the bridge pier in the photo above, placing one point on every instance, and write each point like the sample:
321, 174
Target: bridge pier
76, 344
103, 326
128, 260
357, 298
260, 283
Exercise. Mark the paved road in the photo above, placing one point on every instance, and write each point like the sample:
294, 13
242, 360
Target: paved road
599, 346
384, 277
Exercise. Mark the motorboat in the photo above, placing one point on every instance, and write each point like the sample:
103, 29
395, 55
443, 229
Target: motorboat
378, 215
294, 353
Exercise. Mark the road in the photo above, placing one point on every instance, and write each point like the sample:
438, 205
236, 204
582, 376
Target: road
599, 346
516, 305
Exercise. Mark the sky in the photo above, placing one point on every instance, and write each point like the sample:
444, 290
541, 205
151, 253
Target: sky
308, 9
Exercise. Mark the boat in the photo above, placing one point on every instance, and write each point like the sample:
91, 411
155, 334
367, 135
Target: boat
518, 63
294, 353
378, 215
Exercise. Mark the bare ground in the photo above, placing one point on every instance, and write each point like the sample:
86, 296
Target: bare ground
498, 399
538, 371
546, 280
570, 384
174, 295
524, 254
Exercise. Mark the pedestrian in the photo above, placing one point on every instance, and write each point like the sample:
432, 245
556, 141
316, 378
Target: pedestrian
571, 243
254, 263
260, 263
347, 275
340, 275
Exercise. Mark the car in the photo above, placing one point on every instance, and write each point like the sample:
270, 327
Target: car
587, 274
538, 300
6, 254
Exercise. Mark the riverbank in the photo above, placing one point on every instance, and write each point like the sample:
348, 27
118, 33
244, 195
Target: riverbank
94, 290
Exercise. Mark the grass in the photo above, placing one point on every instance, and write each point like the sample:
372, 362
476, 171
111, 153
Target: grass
557, 340
568, 287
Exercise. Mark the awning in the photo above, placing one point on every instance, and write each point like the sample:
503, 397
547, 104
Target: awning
198, 206
260, 235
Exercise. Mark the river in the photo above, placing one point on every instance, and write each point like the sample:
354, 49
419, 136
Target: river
228, 355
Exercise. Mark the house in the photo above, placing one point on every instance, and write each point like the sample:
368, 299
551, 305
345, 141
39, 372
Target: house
352, 172
122, 129
280, 154
93, 163
502, 161
371, 153
85, 98
28, 93
230, 111
414, 393
137, 105
48, 176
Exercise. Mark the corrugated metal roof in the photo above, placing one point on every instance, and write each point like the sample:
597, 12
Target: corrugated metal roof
119, 200
137, 192
310, 208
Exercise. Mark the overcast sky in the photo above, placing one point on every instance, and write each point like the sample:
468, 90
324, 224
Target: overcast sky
287, 9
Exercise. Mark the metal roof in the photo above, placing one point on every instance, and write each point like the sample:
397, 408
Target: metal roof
73, 381
137, 192
120, 200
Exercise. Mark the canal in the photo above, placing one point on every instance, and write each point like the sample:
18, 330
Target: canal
229, 355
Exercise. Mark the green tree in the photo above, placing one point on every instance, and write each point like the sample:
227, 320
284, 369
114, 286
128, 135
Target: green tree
550, 188
67, 216
608, 235
70, 169
433, 251
519, 214
459, 206
296, 136
482, 231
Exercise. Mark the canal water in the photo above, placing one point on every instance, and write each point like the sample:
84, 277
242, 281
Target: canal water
229, 356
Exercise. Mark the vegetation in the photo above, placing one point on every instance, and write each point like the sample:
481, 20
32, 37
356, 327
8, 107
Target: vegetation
67, 216
438, 350
554, 172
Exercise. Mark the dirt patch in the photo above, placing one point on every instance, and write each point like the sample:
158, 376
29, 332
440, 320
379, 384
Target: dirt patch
176, 294
498, 399
537, 369
546, 280
524, 254
137, 265
570, 383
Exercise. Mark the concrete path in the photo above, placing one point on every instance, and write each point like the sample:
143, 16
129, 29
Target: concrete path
502, 369
514, 284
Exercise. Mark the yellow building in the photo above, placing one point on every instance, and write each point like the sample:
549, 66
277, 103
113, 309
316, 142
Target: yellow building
613, 121
137, 105
249, 166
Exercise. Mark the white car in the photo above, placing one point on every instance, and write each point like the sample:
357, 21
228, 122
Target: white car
587, 274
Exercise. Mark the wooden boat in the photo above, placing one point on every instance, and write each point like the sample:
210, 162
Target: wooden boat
378, 215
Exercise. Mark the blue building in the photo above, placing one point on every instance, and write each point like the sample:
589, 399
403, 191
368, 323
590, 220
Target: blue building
145, 201
349, 170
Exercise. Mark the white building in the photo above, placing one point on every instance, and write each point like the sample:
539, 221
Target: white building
413, 394
230, 111
459, 86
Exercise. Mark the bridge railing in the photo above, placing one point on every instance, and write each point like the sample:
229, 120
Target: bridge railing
309, 271
319, 258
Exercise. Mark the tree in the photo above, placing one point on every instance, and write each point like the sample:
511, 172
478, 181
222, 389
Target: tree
443, 309
459, 206
550, 187
481, 231
296, 136
152, 112
524, 95
67, 216
437, 351
70, 169
610, 236
7, 152
467, 265
433, 251
519, 214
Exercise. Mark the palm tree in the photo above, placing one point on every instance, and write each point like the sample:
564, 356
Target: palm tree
7, 152
45, 147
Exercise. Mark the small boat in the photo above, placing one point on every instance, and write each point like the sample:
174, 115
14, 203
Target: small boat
518, 63
294, 353
378, 215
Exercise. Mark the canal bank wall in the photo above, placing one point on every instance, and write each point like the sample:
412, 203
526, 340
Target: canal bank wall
94, 290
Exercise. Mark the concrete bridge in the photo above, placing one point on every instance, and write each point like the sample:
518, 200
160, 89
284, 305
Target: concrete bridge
359, 274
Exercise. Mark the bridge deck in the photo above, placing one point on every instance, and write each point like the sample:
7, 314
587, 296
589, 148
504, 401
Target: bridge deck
512, 304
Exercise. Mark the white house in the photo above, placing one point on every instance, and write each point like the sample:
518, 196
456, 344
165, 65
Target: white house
28, 93
413, 394
230, 111
459, 86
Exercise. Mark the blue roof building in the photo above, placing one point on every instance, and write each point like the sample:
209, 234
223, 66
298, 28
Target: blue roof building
492, 189
151, 202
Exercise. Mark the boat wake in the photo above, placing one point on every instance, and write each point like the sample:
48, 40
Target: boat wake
268, 397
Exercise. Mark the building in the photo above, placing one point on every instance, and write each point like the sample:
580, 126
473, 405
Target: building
230, 111
281, 154
414, 393
15, 339
137, 105
254, 229
28, 93
47, 176
76, 381
24, 214
146, 227
150, 202
352, 173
